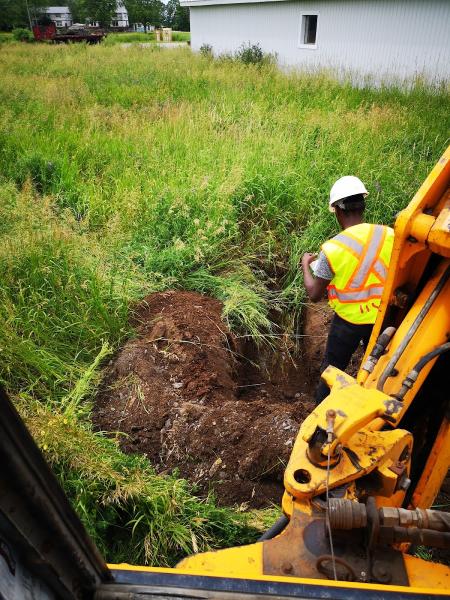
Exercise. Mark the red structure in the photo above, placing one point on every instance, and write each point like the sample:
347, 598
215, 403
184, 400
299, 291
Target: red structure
48, 32
44, 32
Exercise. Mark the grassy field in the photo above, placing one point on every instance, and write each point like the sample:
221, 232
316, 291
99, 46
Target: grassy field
120, 38
128, 170
5, 37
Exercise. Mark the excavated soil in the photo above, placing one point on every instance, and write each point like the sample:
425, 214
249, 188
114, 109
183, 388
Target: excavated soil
189, 395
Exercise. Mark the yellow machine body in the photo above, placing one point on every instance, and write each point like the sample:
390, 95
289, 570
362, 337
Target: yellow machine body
355, 441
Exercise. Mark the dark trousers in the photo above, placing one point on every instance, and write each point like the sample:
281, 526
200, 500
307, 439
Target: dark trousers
343, 340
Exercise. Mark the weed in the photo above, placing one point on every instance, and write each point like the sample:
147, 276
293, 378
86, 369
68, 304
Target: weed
252, 54
206, 50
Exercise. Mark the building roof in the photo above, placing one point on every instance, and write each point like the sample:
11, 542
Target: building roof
218, 2
57, 9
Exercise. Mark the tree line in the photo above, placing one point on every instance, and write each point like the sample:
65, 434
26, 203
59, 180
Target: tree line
17, 13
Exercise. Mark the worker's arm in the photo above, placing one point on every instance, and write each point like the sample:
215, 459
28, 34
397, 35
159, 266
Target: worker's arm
315, 286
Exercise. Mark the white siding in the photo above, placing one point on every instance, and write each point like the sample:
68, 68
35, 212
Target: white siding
383, 38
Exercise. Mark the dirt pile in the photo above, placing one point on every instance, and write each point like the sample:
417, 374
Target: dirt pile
186, 396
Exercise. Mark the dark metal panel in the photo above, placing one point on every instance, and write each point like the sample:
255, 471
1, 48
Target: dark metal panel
142, 584
37, 518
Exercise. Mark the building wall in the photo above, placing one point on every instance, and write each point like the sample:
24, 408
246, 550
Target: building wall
120, 18
60, 15
382, 38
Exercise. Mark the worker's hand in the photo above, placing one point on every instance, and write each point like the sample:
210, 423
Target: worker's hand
308, 258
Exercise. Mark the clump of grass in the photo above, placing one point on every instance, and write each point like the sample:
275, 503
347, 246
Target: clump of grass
206, 50
133, 514
129, 38
113, 39
246, 300
6, 37
181, 36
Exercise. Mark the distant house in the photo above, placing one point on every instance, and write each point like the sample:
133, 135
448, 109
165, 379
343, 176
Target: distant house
120, 19
141, 28
60, 15
381, 38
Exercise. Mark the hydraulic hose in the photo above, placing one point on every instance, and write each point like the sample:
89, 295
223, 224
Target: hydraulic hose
377, 351
412, 376
276, 529
412, 330
430, 355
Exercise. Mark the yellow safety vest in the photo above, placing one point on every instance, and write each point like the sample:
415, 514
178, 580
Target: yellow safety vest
359, 258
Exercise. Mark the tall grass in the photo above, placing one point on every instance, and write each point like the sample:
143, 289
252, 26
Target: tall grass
127, 170
136, 37
129, 38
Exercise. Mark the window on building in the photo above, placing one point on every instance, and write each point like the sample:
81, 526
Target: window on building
115, 24
308, 31
58, 24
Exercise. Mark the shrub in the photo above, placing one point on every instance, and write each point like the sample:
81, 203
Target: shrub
250, 54
22, 35
206, 50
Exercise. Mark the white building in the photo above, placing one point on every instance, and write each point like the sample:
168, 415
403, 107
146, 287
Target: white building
385, 39
120, 19
60, 15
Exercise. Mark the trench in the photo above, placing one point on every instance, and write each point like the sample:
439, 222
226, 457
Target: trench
193, 396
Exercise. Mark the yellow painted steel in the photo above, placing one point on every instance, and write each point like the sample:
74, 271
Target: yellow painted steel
425, 577
410, 255
435, 470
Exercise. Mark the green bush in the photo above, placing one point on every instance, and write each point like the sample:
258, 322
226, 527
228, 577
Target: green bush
22, 35
252, 54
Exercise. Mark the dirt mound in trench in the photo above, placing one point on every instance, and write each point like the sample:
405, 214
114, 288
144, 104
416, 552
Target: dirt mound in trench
188, 398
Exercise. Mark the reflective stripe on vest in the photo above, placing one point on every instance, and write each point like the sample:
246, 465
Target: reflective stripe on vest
357, 248
360, 268
365, 295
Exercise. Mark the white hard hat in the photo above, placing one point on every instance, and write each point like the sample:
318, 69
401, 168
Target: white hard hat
344, 187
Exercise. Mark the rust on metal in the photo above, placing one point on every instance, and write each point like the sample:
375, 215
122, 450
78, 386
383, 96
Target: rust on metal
393, 406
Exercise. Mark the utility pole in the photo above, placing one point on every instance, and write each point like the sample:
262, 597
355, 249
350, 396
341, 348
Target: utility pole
28, 13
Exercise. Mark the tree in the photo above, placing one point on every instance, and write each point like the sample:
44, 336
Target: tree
78, 11
176, 16
147, 12
19, 13
100, 11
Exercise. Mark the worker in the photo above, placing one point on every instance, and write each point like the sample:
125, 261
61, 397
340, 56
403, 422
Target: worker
352, 267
